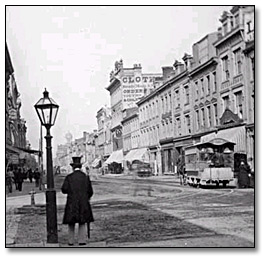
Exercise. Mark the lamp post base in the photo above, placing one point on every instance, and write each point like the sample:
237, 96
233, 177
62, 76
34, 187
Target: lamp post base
52, 234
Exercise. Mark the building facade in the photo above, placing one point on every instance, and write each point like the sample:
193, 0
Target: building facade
104, 133
209, 94
127, 86
15, 125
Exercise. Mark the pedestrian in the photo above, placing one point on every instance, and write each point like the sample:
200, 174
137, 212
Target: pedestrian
244, 172
78, 188
9, 179
30, 175
181, 170
217, 159
16, 176
20, 179
37, 177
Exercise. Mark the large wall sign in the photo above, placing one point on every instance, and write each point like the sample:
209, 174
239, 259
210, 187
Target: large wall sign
134, 88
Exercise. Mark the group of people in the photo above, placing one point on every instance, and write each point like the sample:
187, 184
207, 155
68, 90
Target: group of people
17, 176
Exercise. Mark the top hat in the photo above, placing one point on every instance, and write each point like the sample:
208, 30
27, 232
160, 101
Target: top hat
76, 161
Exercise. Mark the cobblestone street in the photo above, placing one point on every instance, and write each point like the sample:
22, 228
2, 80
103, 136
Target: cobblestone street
149, 212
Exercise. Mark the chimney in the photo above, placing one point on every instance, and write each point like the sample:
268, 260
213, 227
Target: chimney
187, 60
219, 32
167, 72
137, 67
178, 67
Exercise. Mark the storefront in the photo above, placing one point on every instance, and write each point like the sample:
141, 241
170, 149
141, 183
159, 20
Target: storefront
115, 162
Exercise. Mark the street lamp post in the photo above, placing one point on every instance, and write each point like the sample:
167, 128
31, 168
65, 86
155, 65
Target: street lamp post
47, 111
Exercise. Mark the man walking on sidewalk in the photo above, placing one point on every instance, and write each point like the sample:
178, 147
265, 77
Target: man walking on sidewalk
78, 187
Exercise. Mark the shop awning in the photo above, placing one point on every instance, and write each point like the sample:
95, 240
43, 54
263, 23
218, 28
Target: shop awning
96, 163
138, 154
235, 134
115, 157
11, 149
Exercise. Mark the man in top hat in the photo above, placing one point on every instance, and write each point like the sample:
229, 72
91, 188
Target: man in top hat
78, 188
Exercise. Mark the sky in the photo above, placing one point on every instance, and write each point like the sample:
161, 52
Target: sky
71, 51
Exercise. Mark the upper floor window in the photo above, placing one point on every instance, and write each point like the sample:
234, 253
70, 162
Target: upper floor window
209, 116
187, 119
203, 117
202, 87
187, 94
225, 68
215, 113
238, 104
177, 99
178, 126
237, 62
197, 90
226, 102
252, 60
214, 81
198, 119
208, 84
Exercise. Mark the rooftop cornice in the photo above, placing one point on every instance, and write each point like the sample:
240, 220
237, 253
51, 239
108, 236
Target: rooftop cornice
111, 85
163, 86
211, 61
228, 36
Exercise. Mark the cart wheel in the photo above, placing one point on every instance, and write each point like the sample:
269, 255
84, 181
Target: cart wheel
224, 184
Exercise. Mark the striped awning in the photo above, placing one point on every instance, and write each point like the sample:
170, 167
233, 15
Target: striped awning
115, 157
95, 163
235, 134
138, 154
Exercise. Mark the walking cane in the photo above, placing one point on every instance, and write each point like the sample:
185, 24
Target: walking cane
88, 230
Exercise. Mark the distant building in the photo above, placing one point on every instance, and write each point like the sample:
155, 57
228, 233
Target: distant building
127, 86
104, 133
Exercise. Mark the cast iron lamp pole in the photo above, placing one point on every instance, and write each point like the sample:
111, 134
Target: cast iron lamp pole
47, 110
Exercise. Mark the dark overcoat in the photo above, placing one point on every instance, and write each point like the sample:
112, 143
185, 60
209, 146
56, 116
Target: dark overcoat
243, 179
78, 188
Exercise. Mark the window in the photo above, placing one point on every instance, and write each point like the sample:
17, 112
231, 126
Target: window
178, 126
203, 117
187, 94
187, 118
209, 116
225, 68
226, 102
166, 104
252, 68
238, 104
198, 119
208, 84
177, 99
214, 81
197, 90
215, 114
237, 62
170, 102
202, 88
